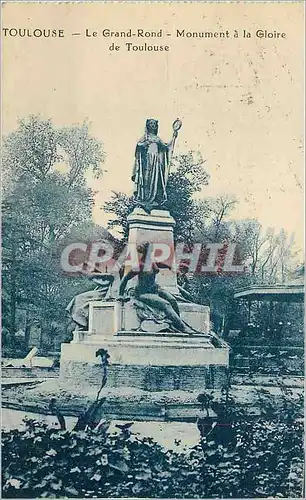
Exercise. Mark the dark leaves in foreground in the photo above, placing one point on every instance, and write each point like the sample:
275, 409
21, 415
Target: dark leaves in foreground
265, 460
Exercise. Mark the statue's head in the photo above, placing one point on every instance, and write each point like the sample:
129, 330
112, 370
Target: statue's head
152, 126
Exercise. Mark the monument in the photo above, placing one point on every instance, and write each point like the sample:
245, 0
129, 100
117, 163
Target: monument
157, 338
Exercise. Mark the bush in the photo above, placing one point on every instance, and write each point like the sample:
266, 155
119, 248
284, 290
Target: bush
263, 459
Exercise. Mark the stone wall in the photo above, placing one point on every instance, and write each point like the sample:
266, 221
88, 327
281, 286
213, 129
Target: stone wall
148, 378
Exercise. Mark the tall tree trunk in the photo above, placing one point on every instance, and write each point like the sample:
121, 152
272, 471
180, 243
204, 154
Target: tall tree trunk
27, 329
13, 298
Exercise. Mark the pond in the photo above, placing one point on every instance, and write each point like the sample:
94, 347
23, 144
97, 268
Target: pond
14, 419
164, 433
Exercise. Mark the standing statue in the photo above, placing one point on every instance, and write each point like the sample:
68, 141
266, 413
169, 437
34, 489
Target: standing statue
152, 164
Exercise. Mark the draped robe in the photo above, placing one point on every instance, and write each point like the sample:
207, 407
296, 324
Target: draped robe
151, 170
78, 307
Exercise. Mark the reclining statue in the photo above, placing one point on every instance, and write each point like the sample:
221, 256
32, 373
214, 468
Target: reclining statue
78, 307
152, 301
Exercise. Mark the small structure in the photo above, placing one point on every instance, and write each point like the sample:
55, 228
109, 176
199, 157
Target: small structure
269, 319
292, 292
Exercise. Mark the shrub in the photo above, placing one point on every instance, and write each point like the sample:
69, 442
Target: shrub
264, 459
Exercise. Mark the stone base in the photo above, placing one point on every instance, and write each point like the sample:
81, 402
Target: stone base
148, 362
107, 317
155, 228
148, 378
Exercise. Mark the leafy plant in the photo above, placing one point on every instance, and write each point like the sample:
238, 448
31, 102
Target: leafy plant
41, 462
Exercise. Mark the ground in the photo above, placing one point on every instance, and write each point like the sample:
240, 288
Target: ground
135, 404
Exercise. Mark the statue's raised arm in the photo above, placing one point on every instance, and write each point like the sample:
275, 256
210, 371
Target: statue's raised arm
152, 164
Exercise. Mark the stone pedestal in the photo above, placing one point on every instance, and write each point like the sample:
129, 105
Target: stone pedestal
151, 362
107, 318
147, 360
156, 227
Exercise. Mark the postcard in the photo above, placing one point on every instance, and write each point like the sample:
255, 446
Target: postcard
152, 249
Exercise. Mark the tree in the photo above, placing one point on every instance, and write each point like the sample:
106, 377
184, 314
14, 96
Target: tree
272, 255
268, 256
45, 197
213, 224
120, 205
36, 148
211, 220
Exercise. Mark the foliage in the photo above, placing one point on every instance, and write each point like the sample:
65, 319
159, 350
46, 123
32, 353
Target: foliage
264, 460
188, 178
267, 256
235, 457
120, 205
35, 149
45, 198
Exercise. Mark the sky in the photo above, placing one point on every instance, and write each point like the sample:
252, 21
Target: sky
240, 99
